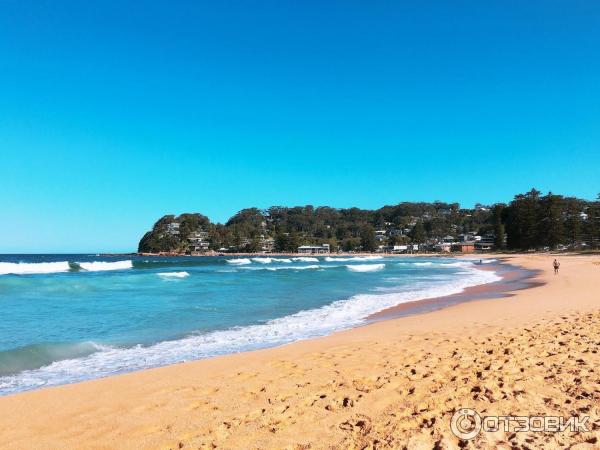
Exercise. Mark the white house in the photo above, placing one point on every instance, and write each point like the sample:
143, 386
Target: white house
313, 249
198, 241
173, 228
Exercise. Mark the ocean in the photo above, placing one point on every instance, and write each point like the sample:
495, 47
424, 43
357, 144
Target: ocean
68, 318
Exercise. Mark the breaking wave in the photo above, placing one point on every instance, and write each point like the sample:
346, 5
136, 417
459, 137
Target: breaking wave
239, 261
271, 260
276, 268
181, 274
97, 266
338, 315
38, 355
365, 267
9, 268
306, 259
352, 258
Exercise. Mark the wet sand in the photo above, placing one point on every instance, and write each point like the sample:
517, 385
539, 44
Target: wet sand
514, 278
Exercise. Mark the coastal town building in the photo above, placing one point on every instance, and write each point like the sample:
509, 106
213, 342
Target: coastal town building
443, 247
267, 244
314, 249
468, 237
486, 243
173, 228
397, 249
463, 247
484, 246
198, 242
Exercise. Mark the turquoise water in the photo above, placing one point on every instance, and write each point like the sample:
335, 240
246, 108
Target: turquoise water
67, 318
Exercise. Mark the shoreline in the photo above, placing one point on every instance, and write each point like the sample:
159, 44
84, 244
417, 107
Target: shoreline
513, 278
413, 307
346, 382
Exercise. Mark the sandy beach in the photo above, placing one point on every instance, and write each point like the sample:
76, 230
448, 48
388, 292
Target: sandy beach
391, 384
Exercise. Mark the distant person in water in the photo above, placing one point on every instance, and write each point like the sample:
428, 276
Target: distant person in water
556, 265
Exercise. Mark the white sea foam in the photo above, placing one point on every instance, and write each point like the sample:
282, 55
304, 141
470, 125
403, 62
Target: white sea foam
239, 261
352, 258
438, 264
7, 268
276, 268
182, 274
312, 266
271, 260
97, 266
305, 259
365, 267
335, 316
464, 264
262, 260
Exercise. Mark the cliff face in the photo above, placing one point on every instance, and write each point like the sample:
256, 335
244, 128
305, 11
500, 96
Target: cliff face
172, 233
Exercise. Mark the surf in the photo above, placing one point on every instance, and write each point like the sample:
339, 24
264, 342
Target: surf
21, 268
67, 365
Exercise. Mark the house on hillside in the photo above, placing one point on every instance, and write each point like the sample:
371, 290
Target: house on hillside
267, 244
173, 228
198, 242
467, 237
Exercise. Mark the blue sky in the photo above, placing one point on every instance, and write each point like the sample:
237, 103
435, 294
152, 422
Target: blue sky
115, 113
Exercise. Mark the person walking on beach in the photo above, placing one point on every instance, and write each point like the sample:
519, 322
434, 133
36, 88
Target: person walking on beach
556, 265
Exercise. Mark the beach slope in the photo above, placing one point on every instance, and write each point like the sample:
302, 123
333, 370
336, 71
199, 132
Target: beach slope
391, 384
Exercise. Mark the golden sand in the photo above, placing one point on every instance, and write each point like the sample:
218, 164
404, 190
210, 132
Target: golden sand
392, 384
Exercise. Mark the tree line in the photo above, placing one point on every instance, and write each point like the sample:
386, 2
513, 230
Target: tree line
529, 221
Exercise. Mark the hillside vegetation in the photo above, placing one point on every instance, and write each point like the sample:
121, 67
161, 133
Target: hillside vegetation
529, 221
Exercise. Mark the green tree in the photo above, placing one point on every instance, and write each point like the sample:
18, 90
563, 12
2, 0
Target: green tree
282, 242
350, 244
418, 234
293, 242
498, 226
573, 223
254, 245
333, 244
592, 225
367, 238
551, 224
521, 221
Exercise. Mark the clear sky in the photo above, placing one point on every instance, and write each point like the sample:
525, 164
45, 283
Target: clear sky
114, 113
